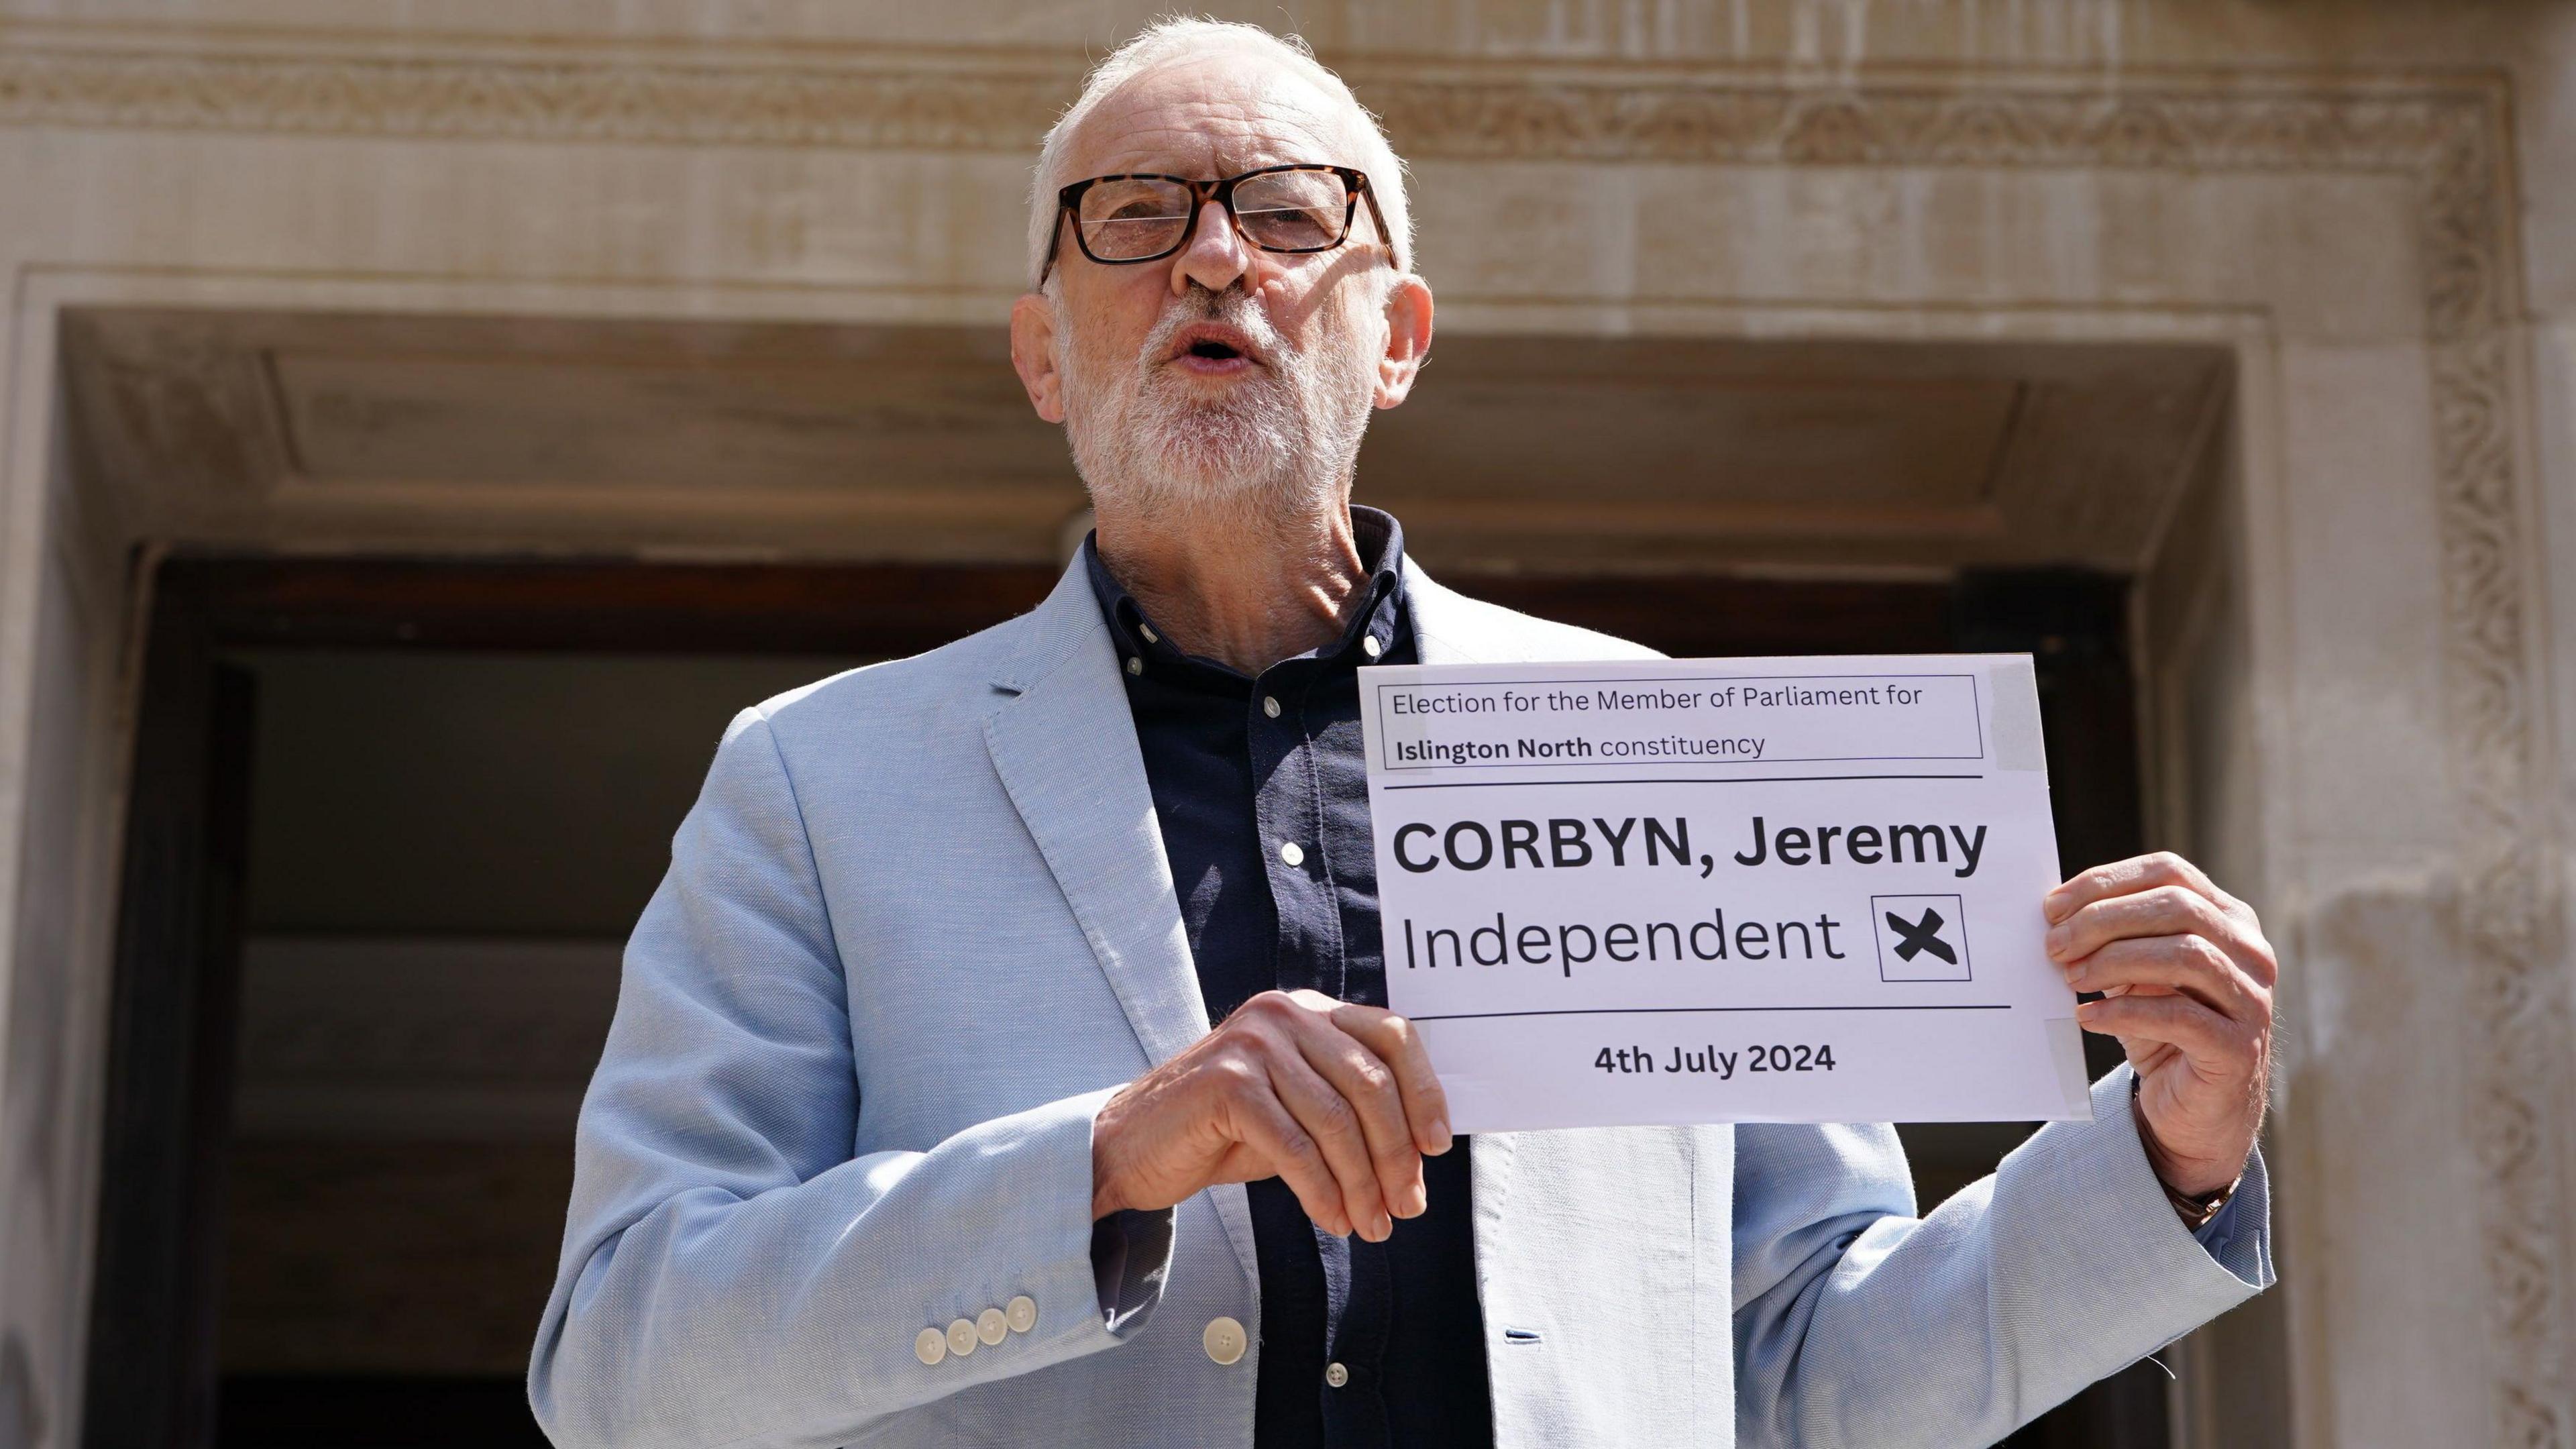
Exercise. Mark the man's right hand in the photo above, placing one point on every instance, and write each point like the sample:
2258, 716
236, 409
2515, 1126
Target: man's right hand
1336, 1099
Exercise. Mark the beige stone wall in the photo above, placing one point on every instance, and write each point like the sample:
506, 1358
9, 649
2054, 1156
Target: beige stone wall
2358, 681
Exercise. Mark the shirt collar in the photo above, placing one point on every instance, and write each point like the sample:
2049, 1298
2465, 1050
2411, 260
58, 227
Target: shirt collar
1372, 633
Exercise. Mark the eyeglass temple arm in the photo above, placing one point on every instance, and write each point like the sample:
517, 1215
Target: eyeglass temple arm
1368, 193
1055, 243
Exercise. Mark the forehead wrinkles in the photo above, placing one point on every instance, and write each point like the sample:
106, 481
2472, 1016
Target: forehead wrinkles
1211, 118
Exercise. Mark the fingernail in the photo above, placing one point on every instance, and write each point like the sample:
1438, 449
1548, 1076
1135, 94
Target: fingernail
2076, 973
2055, 941
2087, 1010
2053, 905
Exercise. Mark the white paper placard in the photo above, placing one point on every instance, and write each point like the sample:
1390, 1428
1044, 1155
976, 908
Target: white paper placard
1722, 890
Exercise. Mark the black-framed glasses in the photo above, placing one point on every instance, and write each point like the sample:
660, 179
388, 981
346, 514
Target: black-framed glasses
1141, 217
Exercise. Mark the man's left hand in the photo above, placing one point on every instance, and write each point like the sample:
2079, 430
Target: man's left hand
2187, 981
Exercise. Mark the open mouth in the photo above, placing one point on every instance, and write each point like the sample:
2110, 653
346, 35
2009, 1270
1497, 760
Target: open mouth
1212, 347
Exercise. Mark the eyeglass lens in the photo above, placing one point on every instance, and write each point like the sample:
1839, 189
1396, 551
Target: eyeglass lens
1281, 211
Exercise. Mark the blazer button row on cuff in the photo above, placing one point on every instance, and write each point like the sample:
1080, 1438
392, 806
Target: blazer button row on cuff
986, 1329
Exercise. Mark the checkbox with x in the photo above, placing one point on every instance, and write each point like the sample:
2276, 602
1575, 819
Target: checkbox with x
1921, 938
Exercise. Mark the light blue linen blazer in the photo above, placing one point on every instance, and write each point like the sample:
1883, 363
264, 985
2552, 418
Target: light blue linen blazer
919, 925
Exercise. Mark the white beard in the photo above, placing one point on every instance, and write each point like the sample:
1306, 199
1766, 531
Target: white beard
1281, 444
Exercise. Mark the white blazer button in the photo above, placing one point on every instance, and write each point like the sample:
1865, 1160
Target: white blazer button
931, 1346
1224, 1340
1270, 705
1370, 646
991, 1327
961, 1338
1291, 852
1021, 1314
1336, 1375
1135, 664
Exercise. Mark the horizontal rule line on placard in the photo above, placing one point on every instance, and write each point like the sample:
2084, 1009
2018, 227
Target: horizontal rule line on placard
1669, 1010
1687, 780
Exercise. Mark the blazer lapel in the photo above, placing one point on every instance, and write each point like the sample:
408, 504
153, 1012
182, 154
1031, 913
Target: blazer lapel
1065, 748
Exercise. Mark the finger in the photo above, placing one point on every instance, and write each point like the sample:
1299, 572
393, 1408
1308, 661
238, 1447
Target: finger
2209, 1040
2191, 965
1264, 1124
1398, 1043
2157, 911
1368, 1085
2127, 877
1335, 1126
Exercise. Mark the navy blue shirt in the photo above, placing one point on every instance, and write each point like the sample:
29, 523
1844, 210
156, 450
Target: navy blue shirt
1241, 768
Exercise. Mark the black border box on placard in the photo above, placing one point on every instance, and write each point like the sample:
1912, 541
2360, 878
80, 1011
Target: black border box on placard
1958, 912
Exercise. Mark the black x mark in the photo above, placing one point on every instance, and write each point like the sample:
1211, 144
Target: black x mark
1919, 936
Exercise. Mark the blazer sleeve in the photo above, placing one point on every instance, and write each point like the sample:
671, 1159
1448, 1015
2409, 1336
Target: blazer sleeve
730, 1274
1857, 1323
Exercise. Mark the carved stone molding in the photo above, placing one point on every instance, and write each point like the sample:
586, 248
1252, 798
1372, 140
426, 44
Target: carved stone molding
2445, 136
884, 105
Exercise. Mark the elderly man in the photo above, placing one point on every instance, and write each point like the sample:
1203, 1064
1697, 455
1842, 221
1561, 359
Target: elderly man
912, 1128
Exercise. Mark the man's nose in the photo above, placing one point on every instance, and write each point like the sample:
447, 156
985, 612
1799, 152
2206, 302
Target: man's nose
1214, 257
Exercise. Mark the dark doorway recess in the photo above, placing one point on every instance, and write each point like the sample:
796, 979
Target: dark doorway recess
170, 1031
156, 1366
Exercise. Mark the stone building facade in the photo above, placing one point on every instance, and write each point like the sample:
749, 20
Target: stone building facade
2265, 308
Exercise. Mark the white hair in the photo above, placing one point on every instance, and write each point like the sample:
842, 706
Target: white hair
1178, 38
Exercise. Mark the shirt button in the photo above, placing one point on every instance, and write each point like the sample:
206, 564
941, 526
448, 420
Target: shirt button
1291, 852
991, 1327
931, 1346
961, 1338
1336, 1375
1021, 1313
1135, 664
1370, 646
1223, 1340
1270, 706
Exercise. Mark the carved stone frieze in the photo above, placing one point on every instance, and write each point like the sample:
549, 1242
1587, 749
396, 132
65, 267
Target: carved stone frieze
888, 106
2445, 136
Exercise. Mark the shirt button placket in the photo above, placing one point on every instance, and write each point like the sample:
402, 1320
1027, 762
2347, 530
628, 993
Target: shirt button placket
1287, 822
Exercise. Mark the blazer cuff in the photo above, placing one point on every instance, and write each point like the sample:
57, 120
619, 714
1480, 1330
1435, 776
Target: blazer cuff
1048, 1178
2153, 1279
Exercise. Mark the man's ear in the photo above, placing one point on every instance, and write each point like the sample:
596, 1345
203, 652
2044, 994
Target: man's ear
1033, 354
1408, 339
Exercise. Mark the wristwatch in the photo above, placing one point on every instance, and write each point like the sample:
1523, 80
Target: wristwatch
2197, 1211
